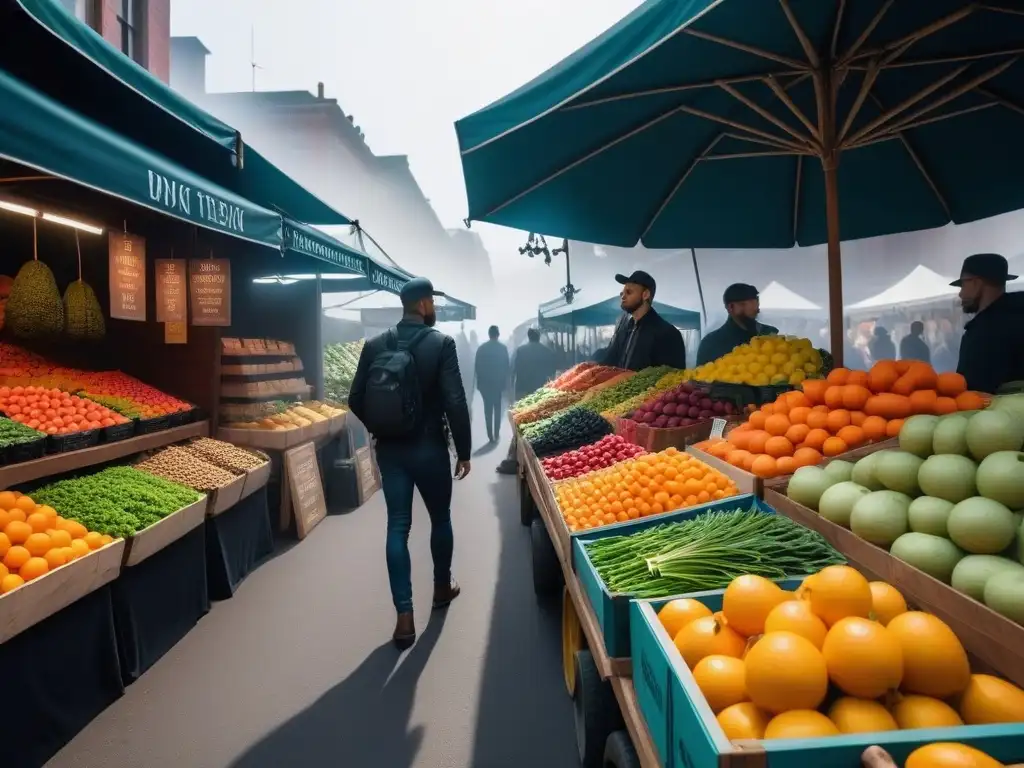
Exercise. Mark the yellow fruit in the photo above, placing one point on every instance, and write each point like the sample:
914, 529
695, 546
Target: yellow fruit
934, 661
747, 602
949, 755
676, 614
743, 721
864, 660
837, 592
80, 548
784, 672
988, 700
33, 568
721, 680
886, 602
796, 616
9, 582
800, 724
852, 715
38, 544
708, 636
913, 712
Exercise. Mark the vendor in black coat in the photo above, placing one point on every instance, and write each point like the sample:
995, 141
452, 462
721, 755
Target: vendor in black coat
643, 338
743, 304
992, 347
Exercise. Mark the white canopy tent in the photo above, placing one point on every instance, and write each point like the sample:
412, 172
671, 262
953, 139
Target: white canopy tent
777, 298
921, 287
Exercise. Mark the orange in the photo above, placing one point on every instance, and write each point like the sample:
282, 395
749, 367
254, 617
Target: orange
743, 721
837, 420
944, 405
796, 616
60, 538
676, 614
864, 659
838, 376
797, 399
816, 439
748, 600
855, 396
5, 518
756, 441
737, 457
949, 755
748, 462
739, 440
923, 401
25, 504
806, 456
33, 568
757, 420
80, 548
18, 532
966, 401
892, 429
814, 390
786, 465
852, 436
797, 433
95, 540
951, 384
5, 544
38, 521
56, 557
778, 446
834, 397
834, 446
16, 557
799, 414
764, 466
16, 514
10, 582
873, 427
38, 544
776, 425
50, 512
7, 500
817, 419
786, 672
886, 602
3, 570
721, 680
76, 529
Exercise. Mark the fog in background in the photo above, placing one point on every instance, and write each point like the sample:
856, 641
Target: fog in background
405, 71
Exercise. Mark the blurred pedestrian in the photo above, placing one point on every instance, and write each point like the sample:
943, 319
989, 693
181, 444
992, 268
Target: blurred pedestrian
913, 346
533, 366
492, 377
881, 346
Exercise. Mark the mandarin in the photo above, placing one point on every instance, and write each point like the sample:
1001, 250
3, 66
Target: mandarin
56, 557
38, 544
873, 427
25, 504
852, 436
834, 446
778, 446
764, 466
816, 439
38, 521
797, 433
10, 582
5, 544
838, 419
7, 500
33, 568
806, 456
18, 531
817, 419
16, 557
776, 425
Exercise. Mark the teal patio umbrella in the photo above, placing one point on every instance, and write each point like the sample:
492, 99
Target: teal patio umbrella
762, 124
609, 311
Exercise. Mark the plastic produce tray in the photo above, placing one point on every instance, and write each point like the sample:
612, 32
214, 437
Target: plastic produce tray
15, 454
118, 432
149, 426
76, 441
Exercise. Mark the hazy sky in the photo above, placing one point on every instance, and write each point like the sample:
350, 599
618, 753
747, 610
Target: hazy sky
407, 69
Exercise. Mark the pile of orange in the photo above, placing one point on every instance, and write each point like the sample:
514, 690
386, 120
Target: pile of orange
828, 417
647, 485
34, 540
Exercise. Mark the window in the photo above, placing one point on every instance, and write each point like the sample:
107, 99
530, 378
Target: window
84, 10
132, 20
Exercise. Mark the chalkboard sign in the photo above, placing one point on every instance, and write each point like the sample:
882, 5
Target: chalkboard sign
307, 492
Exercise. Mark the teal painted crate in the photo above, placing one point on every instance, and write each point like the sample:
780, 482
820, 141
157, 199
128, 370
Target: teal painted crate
612, 610
687, 735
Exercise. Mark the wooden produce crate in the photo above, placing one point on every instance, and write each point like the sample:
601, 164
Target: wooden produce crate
151, 540
686, 732
40, 598
611, 610
225, 497
255, 479
995, 641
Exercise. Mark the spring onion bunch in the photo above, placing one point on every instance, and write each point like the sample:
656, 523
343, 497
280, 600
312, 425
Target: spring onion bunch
708, 552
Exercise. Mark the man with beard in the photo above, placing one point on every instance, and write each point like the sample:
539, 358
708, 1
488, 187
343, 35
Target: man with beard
992, 347
743, 304
420, 367
643, 338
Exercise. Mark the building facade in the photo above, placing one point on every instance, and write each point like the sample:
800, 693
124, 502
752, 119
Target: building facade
140, 29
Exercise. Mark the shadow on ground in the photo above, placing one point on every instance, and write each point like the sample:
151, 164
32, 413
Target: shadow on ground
362, 721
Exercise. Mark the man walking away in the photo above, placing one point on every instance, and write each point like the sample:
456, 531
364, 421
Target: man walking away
881, 347
492, 371
533, 366
408, 392
913, 346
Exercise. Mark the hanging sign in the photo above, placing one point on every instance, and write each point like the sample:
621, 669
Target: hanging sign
176, 332
127, 255
171, 298
210, 291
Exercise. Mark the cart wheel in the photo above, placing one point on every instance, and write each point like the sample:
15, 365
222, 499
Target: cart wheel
596, 711
572, 641
619, 751
547, 571
527, 509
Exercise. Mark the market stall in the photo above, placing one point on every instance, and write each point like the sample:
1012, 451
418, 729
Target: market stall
790, 312
799, 496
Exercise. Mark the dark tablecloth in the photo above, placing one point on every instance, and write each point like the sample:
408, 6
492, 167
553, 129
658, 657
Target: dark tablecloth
235, 542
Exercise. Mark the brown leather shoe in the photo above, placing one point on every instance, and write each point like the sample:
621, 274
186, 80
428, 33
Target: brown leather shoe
444, 594
405, 631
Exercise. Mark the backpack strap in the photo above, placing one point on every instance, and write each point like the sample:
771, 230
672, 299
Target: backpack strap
394, 344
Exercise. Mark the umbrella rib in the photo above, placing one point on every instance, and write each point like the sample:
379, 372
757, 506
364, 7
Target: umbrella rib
908, 102
743, 127
918, 34
840, 12
766, 114
1001, 100
863, 37
1001, 9
805, 42
682, 180
796, 194
919, 163
760, 52
887, 133
862, 95
943, 59
745, 155
780, 93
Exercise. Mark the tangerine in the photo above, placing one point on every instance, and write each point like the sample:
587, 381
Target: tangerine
38, 544
756, 441
838, 419
799, 414
834, 446
18, 531
834, 397
5, 544
852, 436
816, 439
10, 582
817, 419
38, 521
33, 568
60, 538
806, 456
7, 500
56, 557
25, 504
797, 433
776, 425
764, 466
16, 557
777, 447
95, 540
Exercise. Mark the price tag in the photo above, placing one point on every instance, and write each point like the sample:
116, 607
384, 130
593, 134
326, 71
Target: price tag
210, 289
127, 254
718, 428
171, 291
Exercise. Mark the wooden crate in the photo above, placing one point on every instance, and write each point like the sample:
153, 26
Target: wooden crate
151, 540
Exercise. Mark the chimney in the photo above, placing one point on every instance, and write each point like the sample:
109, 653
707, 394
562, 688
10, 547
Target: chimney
188, 66
319, 90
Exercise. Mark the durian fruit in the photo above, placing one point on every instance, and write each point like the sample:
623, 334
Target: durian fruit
34, 309
83, 318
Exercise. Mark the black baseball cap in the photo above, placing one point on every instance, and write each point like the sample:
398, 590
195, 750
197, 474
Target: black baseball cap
987, 266
639, 277
416, 289
739, 292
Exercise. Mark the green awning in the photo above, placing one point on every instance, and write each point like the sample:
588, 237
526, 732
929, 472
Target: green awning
38, 132
42, 37
308, 241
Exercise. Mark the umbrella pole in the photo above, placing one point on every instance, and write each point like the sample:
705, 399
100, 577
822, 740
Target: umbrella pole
835, 263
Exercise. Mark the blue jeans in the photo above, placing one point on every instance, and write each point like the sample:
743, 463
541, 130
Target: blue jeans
423, 464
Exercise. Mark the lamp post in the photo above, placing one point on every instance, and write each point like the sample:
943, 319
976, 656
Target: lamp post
536, 245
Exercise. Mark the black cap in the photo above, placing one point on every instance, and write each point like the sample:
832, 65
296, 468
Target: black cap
416, 289
988, 266
739, 292
640, 278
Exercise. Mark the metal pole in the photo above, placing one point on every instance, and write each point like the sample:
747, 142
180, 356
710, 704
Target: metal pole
700, 288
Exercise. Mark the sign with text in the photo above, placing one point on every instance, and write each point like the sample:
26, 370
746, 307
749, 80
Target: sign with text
171, 298
176, 332
127, 255
307, 492
210, 291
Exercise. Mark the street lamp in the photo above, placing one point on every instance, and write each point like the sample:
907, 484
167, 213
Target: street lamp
536, 245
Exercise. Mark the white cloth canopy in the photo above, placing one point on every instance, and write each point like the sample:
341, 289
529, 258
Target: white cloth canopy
920, 286
776, 297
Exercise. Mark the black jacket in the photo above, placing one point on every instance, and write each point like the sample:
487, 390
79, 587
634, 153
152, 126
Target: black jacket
992, 347
492, 367
533, 366
657, 342
440, 384
724, 340
915, 348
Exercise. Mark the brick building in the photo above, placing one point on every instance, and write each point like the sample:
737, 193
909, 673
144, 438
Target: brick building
310, 137
141, 29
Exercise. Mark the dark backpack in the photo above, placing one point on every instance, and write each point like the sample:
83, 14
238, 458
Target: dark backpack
394, 399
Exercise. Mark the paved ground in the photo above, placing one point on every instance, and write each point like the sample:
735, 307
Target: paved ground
297, 669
